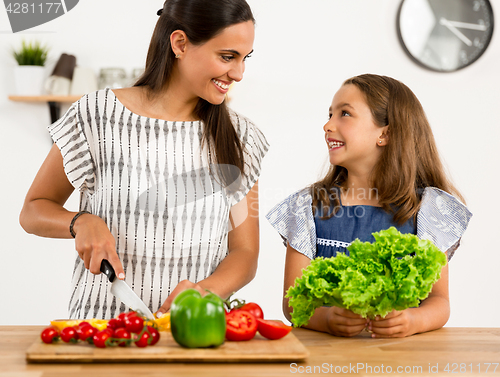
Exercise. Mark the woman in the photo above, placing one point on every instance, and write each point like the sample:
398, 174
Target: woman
167, 173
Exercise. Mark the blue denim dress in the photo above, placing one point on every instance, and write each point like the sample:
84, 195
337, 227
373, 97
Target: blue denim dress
333, 235
441, 219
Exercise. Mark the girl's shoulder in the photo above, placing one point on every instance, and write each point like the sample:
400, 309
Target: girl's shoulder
442, 219
293, 219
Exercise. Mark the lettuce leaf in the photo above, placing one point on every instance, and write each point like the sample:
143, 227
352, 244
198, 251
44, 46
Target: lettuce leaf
395, 272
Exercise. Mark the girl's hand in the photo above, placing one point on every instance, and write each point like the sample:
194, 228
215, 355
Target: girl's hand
94, 242
343, 322
396, 324
182, 286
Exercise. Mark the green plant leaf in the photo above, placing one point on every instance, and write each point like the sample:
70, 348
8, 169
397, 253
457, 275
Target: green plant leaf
395, 272
32, 53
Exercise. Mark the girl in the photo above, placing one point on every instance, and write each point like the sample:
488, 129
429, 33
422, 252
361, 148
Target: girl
385, 171
167, 173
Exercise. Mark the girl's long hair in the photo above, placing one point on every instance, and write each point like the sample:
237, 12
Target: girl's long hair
201, 20
409, 162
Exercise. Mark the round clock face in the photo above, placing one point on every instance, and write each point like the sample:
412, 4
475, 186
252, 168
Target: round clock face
445, 35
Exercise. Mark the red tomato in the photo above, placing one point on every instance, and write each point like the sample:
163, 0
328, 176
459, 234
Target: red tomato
134, 324
69, 334
116, 323
254, 309
49, 335
273, 329
100, 338
85, 332
122, 334
155, 335
143, 340
240, 325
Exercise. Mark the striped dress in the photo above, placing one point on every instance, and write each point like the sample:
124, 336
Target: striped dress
153, 184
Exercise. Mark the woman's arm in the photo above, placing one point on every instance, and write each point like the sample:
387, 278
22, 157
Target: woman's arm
332, 320
432, 314
43, 214
238, 268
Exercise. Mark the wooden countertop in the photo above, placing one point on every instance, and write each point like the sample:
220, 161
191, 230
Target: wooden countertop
448, 351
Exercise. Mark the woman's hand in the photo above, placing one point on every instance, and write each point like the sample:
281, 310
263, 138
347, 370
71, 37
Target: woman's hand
182, 286
94, 242
343, 322
396, 324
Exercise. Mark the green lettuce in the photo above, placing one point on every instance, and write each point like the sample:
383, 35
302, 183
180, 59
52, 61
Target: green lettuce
396, 271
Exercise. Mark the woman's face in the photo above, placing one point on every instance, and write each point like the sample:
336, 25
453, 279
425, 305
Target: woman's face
209, 69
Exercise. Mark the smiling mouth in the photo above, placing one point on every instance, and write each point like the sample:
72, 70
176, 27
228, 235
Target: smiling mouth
221, 84
335, 144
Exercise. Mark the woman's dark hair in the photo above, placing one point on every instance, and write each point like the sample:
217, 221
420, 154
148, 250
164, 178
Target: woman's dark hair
201, 20
410, 161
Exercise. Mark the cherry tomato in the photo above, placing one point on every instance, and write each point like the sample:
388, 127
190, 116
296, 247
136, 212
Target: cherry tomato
124, 334
240, 325
134, 323
49, 335
254, 309
273, 329
69, 334
85, 332
100, 338
143, 340
155, 335
116, 323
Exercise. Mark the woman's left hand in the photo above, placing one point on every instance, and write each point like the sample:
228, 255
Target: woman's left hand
396, 324
182, 286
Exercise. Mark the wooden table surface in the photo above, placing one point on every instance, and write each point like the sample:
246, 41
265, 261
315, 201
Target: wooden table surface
448, 351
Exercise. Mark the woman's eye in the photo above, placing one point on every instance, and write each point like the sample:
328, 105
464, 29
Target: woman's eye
227, 58
248, 56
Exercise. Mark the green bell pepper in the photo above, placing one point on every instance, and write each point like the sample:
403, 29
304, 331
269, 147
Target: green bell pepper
197, 321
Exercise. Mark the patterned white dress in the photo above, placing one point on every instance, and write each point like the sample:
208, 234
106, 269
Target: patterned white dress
152, 183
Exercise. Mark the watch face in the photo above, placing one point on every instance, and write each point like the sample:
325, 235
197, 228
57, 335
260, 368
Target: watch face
445, 35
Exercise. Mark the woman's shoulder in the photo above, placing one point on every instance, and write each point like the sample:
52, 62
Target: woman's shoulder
251, 135
96, 99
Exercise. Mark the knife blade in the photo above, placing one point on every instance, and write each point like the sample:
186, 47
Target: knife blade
123, 292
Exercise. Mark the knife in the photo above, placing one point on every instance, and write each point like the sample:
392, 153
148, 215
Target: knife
123, 292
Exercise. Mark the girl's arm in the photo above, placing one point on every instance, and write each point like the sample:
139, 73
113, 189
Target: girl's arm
43, 214
238, 268
332, 320
432, 314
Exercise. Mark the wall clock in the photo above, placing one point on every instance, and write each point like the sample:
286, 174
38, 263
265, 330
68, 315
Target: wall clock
445, 35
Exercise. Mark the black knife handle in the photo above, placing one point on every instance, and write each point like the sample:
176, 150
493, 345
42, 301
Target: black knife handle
108, 270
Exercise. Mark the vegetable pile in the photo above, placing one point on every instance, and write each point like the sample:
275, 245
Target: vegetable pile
198, 321
121, 331
395, 272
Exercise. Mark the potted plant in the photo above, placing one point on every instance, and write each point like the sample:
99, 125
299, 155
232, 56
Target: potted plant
29, 74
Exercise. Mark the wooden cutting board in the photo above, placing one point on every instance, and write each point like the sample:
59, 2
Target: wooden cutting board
259, 349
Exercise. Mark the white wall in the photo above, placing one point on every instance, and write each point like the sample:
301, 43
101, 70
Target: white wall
303, 52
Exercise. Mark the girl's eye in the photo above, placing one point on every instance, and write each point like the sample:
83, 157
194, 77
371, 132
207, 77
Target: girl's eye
345, 113
330, 116
248, 56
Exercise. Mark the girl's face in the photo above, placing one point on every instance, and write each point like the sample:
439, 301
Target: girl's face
209, 69
354, 140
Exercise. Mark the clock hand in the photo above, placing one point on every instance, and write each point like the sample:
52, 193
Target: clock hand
466, 25
443, 21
